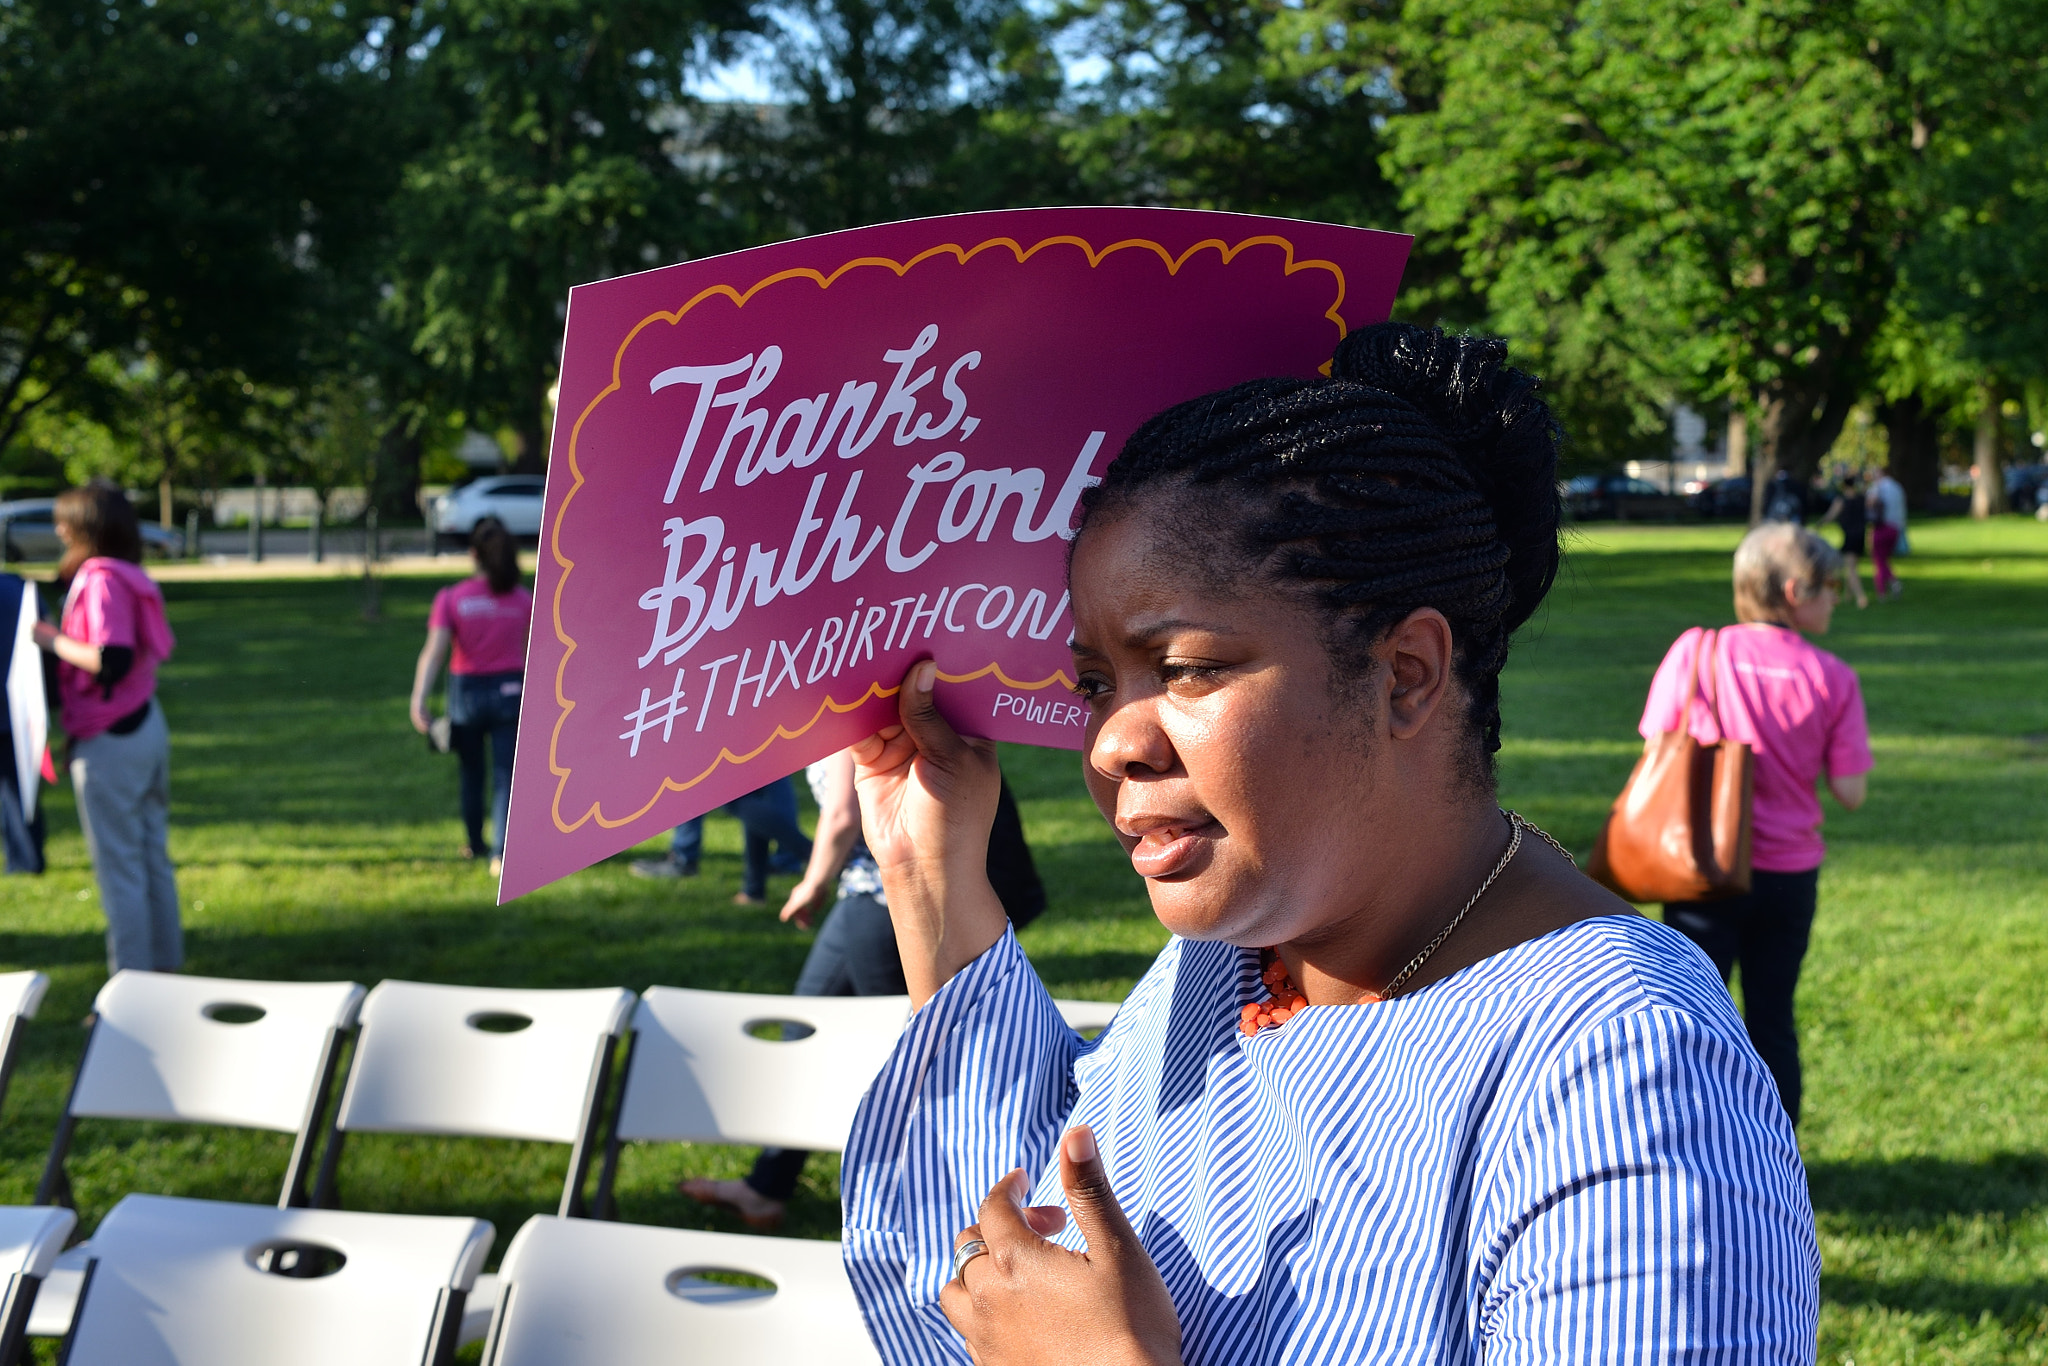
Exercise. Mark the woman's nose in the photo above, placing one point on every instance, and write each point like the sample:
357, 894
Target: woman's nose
1130, 743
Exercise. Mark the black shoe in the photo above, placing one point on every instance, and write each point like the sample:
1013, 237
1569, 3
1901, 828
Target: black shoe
662, 868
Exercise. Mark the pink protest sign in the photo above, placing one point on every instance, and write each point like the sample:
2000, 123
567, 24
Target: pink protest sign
781, 476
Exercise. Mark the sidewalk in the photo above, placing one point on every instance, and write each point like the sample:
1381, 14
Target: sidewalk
219, 568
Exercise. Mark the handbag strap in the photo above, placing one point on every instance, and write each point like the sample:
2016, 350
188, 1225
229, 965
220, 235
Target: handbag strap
1703, 681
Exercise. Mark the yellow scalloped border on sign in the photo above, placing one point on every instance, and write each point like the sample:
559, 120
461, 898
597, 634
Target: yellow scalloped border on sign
961, 254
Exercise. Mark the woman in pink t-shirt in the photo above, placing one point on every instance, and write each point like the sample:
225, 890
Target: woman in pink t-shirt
484, 620
110, 639
1801, 710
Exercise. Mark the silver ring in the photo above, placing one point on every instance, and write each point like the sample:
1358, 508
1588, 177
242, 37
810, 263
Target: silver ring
967, 1252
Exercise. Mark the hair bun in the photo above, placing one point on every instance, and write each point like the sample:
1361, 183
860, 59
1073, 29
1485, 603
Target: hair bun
1492, 416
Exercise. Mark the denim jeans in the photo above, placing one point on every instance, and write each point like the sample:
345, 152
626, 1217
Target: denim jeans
483, 711
1765, 931
766, 816
123, 783
854, 955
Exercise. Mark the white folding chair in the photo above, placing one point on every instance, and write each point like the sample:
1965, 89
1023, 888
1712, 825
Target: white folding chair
1085, 1017
20, 994
200, 1283
579, 1293
482, 1062
31, 1236
730, 1067
199, 1050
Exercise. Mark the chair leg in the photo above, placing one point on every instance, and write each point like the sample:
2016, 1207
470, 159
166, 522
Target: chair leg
55, 1187
325, 1193
15, 1303
77, 1312
594, 1109
604, 1205
447, 1330
295, 1195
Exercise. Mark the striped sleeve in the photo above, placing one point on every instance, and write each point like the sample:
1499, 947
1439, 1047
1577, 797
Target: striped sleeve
981, 1082
1649, 1207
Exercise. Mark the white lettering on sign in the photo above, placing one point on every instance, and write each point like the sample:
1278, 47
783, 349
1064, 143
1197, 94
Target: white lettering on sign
694, 600
1043, 711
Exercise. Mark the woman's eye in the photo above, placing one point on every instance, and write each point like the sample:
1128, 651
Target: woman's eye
1187, 674
1089, 687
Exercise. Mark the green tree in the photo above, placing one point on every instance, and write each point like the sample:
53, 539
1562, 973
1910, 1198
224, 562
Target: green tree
1670, 201
179, 179
551, 164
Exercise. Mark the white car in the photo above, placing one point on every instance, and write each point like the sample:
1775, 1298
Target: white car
514, 499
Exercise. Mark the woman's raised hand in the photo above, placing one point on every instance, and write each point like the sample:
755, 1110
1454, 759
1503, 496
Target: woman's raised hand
1032, 1301
927, 800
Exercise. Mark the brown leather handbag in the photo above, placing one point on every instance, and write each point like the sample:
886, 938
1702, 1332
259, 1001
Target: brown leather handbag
1681, 828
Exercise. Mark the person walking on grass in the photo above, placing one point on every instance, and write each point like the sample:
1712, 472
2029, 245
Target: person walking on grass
1887, 504
1852, 514
767, 817
110, 638
483, 620
855, 953
1800, 710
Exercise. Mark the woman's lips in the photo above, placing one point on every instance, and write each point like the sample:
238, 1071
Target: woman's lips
1174, 849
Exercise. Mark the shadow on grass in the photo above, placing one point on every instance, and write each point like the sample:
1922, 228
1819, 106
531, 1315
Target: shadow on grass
1914, 1192
2016, 1305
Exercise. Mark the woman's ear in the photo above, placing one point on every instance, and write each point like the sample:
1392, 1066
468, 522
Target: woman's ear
1418, 653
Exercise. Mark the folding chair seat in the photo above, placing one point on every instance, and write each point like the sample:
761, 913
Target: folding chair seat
20, 994
31, 1236
482, 1062
200, 1283
579, 1293
199, 1050
1087, 1016
731, 1067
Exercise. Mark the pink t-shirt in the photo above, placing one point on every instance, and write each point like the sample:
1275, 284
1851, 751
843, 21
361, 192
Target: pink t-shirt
1796, 705
490, 628
111, 602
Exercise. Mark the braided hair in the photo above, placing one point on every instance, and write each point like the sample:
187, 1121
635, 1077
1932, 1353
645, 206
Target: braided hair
1421, 473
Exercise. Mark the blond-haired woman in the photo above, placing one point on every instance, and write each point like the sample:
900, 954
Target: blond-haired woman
1801, 710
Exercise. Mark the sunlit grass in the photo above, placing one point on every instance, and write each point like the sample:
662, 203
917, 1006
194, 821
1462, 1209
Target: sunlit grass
316, 838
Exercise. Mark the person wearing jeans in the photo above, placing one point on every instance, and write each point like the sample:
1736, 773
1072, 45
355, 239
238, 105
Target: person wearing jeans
110, 640
767, 816
483, 620
1800, 710
855, 952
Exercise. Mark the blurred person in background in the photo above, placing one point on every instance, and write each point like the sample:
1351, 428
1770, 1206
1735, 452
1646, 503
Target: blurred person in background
855, 953
109, 640
1887, 503
1800, 710
484, 621
21, 832
1852, 514
767, 818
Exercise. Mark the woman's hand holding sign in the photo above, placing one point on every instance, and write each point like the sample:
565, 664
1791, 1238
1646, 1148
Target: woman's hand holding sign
928, 798
1021, 1299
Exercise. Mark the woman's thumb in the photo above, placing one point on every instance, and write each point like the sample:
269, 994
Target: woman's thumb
934, 735
1096, 1212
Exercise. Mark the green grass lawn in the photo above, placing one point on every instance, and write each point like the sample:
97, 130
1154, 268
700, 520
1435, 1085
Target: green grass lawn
316, 838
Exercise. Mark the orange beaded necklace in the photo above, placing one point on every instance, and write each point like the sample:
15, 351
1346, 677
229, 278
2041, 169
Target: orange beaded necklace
1284, 998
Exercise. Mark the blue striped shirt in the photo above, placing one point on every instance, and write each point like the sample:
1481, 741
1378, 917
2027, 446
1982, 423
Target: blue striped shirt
1568, 1152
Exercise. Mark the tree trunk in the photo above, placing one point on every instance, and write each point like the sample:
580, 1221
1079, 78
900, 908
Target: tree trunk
1987, 476
533, 435
163, 502
1737, 453
1800, 424
1914, 438
395, 478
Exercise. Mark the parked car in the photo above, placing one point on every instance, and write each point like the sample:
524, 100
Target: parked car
28, 531
2026, 487
1723, 498
513, 499
1592, 496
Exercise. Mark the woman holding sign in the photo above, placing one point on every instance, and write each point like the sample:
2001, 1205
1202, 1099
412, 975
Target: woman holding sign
1404, 1085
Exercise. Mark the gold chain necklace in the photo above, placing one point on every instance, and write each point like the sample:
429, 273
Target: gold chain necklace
1287, 998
